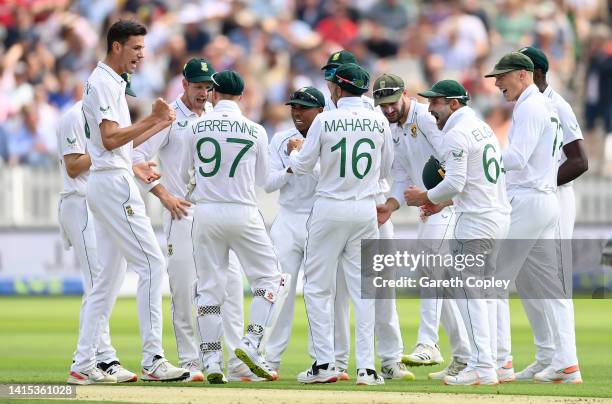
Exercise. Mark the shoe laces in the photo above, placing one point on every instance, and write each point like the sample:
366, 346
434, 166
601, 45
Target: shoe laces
192, 366
401, 366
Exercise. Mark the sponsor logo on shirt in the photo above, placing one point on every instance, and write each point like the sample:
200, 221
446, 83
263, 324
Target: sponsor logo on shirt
71, 141
104, 109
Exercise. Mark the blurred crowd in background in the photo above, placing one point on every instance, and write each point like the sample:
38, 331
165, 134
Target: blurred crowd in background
49, 47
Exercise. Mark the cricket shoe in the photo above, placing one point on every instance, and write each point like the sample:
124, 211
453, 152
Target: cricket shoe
254, 360
369, 377
397, 371
242, 373
326, 373
469, 377
530, 371
343, 375
162, 371
569, 375
214, 373
452, 369
91, 376
195, 372
423, 355
114, 368
505, 374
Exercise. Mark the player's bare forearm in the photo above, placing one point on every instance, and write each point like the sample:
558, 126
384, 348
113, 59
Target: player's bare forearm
113, 136
150, 132
575, 165
77, 164
415, 197
393, 204
176, 206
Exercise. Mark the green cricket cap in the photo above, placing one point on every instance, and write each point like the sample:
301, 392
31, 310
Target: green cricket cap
538, 58
387, 89
198, 70
228, 82
450, 89
127, 77
339, 58
307, 97
352, 78
510, 62
433, 173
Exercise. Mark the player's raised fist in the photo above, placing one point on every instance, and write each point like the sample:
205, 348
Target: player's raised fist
294, 144
162, 110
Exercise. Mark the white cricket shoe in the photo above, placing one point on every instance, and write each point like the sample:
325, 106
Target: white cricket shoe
195, 372
423, 354
214, 373
569, 375
162, 371
451, 370
530, 371
505, 374
254, 360
397, 371
319, 374
368, 377
469, 376
91, 376
242, 373
114, 368
343, 375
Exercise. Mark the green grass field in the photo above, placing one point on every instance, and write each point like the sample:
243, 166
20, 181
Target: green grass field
38, 336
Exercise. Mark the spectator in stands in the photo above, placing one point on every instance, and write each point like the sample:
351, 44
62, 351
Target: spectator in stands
26, 145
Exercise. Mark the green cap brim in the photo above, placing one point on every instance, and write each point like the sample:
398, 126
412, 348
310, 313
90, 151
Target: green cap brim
199, 79
431, 94
130, 92
497, 72
309, 104
390, 99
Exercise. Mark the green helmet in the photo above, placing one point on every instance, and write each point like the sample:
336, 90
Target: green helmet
433, 173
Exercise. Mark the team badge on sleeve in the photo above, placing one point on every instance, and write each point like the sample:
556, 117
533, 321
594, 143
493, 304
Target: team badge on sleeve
129, 210
413, 130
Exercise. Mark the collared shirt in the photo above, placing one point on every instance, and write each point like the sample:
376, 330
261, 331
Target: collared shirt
569, 123
230, 156
531, 158
474, 179
415, 142
355, 148
71, 140
173, 145
297, 191
104, 99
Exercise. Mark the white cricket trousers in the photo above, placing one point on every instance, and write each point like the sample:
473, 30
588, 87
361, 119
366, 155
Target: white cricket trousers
335, 231
182, 280
535, 266
479, 234
78, 226
122, 230
217, 228
439, 310
288, 234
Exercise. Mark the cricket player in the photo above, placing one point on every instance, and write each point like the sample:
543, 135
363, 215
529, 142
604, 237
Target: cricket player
417, 138
297, 195
475, 185
77, 229
230, 154
573, 164
389, 342
173, 146
354, 145
122, 227
531, 162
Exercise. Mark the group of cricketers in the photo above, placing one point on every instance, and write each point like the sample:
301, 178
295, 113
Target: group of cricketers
331, 171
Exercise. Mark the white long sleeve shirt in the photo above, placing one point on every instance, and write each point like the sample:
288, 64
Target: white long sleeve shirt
355, 147
474, 177
417, 140
531, 158
104, 99
297, 191
569, 123
172, 144
71, 140
230, 156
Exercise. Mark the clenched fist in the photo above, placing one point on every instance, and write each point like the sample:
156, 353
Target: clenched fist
163, 111
294, 144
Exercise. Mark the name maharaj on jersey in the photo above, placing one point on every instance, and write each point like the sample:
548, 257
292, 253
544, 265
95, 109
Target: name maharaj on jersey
345, 124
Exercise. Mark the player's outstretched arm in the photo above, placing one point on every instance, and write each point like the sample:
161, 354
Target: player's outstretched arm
176, 206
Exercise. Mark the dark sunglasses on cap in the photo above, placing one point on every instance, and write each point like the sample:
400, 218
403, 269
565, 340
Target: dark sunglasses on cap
342, 79
304, 96
385, 92
330, 73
